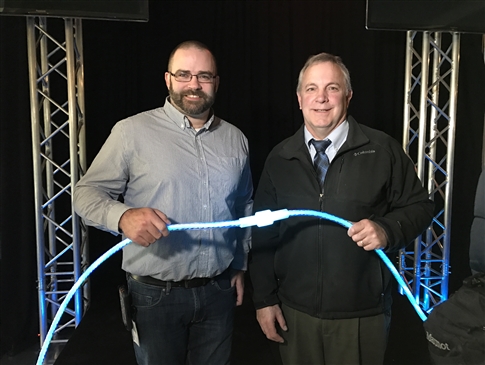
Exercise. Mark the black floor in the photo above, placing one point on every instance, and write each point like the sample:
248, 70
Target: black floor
101, 339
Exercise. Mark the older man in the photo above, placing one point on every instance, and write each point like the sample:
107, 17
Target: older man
319, 289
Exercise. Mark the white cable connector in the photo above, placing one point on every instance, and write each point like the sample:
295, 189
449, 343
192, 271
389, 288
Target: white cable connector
263, 218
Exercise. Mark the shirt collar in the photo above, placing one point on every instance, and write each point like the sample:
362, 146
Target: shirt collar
338, 136
181, 119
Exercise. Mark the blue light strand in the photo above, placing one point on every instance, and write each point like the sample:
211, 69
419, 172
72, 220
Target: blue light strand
70, 294
402, 283
323, 215
262, 218
208, 225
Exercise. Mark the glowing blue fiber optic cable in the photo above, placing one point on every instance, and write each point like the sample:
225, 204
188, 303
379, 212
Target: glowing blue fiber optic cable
260, 219
70, 294
402, 283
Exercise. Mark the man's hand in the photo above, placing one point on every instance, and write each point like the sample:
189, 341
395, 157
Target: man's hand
144, 225
237, 279
368, 235
267, 317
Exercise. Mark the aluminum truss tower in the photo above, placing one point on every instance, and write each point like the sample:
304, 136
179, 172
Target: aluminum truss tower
56, 82
431, 88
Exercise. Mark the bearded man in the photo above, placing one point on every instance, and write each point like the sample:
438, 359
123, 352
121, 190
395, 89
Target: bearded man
176, 164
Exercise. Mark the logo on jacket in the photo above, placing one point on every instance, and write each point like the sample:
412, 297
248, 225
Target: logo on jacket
435, 342
364, 152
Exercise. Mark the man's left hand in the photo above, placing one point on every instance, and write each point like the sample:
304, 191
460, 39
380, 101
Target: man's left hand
368, 235
237, 279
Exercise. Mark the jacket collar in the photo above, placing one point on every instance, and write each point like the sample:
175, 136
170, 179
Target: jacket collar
356, 137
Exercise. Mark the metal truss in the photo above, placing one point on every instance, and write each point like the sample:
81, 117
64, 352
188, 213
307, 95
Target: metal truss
56, 82
431, 90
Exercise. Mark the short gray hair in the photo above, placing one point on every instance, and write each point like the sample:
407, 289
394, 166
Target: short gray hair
321, 58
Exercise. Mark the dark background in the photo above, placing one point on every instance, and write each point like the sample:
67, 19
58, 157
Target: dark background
260, 47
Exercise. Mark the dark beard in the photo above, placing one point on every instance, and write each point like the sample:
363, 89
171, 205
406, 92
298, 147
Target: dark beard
191, 108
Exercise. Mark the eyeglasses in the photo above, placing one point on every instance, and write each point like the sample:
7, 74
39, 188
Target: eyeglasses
203, 78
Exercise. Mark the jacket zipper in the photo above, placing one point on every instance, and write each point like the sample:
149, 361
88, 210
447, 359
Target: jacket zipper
320, 253
321, 245
320, 249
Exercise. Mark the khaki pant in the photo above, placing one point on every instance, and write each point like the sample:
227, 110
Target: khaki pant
310, 340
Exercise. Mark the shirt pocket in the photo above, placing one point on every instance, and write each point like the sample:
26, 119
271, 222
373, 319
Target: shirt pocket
226, 174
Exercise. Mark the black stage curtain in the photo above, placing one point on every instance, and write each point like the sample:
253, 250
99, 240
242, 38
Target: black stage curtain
260, 47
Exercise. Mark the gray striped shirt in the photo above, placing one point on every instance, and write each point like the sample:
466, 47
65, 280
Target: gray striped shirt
156, 159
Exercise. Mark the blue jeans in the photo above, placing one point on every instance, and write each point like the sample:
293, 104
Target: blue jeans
183, 326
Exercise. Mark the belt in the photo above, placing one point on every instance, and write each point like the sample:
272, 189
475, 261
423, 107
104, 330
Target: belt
191, 283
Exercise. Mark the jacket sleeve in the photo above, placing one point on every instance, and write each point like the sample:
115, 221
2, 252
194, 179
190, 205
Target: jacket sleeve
264, 243
410, 210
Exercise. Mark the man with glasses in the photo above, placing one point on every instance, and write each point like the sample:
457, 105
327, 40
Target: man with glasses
176, 164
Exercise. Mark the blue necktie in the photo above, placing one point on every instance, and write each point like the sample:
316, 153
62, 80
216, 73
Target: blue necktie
321, 161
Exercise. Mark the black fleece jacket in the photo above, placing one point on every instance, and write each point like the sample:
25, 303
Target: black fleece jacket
311, 264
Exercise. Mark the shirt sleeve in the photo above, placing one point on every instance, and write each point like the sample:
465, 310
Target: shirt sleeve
96, 193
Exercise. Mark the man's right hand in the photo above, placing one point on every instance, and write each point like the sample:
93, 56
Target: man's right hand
267, 318
144, 225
